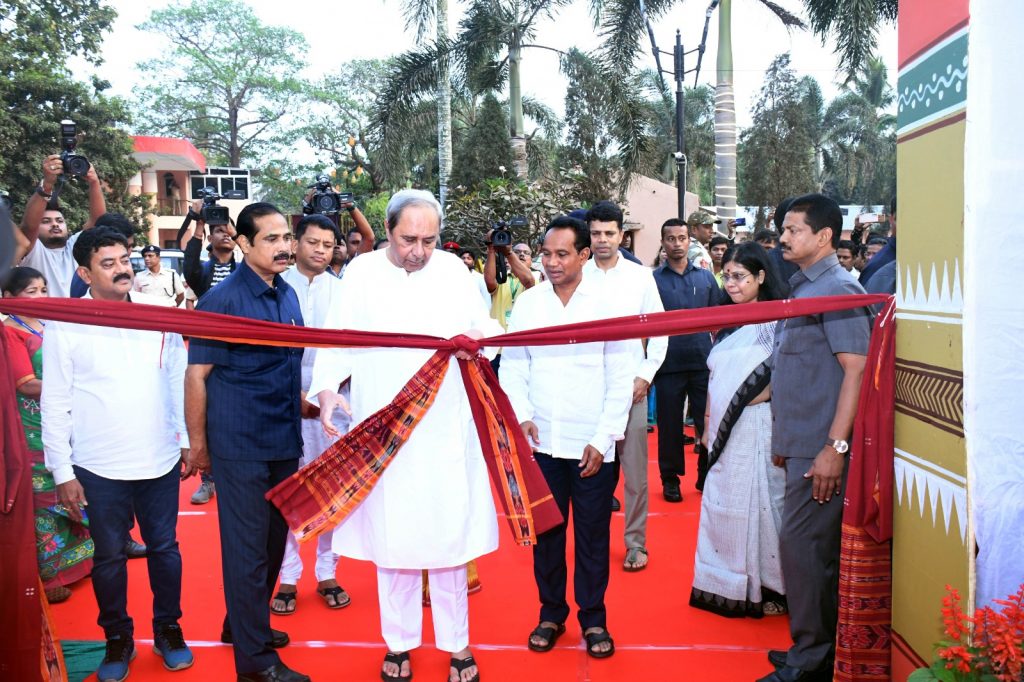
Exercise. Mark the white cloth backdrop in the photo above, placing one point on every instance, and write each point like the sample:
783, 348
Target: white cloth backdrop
994, 296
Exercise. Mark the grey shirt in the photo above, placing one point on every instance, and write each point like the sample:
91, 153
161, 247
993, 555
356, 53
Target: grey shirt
806, 376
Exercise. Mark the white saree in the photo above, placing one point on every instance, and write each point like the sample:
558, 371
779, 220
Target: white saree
737, 556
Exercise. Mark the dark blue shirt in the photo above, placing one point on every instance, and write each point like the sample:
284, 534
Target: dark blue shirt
886, 255
252, 394
695, 288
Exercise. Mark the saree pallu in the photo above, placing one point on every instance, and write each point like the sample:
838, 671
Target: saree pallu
863, 637
63, 547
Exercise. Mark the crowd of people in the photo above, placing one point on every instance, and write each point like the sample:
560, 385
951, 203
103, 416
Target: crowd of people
772, 407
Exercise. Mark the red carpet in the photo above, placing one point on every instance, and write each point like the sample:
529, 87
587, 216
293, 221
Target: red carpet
657, 635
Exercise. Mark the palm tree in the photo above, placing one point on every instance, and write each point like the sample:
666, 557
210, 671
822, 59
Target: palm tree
485, 55
420, 14
855, 24
623, 29
859, 145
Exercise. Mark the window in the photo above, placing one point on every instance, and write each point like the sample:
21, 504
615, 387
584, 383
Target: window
222, 180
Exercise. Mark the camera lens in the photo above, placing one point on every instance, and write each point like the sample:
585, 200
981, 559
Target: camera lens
76, 165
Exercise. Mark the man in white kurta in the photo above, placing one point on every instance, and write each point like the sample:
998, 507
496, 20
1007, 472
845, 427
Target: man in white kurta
432, 508
318, 291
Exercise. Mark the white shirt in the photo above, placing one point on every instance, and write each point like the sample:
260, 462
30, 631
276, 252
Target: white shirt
164, 286
632, 291
481, 285
57, 265
113, 400
316, 298
577, 394
432, 507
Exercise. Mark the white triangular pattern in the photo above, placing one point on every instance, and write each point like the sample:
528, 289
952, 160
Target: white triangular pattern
958, 298
921, 484
933, 492
900, 480
942, 294
948, 493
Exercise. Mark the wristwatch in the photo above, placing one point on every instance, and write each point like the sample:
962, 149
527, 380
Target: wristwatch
840, 446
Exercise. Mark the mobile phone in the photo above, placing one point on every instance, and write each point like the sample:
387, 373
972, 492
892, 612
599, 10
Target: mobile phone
740, 222
868, 218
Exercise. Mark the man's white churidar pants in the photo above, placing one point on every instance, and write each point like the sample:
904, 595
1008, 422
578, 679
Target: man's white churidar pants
326, 560
400, 592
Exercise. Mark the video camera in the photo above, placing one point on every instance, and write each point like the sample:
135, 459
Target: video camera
212, 213
74, 164
325, 200
501, 231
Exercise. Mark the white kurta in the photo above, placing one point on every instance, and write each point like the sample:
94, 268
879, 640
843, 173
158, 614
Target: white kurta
432, 507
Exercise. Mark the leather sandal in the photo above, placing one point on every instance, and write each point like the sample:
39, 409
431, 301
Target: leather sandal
632, 558
461, 664
398, 658
287, 598
548, 633
595, 638
335, 594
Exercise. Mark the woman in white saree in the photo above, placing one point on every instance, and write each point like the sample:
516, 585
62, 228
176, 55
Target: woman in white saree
737, 571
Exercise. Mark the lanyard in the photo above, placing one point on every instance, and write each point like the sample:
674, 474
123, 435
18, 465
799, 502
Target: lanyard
22, 323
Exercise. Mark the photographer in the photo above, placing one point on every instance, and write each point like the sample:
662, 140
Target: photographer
503, 295
203, 276
46, 235
323, 199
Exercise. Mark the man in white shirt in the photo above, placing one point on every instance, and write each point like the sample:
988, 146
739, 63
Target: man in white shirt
432, 508
95, 378
163, 284
573, 403
632, 291
49, 245
318, 291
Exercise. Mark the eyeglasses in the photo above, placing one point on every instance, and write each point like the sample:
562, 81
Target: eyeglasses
737, 278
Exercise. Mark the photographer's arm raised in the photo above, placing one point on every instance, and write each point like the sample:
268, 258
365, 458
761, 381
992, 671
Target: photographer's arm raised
53, 168
520, 269
363, 226
97, 202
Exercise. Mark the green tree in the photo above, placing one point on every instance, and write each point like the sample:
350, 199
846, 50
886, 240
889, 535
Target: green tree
860, 143
589, 119
484, 151
227, 83
777, 151
853, 26
37, 37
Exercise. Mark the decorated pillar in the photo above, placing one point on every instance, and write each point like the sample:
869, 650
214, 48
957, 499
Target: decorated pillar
933, 541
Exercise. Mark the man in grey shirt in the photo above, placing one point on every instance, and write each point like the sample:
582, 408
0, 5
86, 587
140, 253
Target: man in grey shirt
818, 365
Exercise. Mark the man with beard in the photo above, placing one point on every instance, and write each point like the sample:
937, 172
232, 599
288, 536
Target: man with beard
318, 291
249, 395
49, 245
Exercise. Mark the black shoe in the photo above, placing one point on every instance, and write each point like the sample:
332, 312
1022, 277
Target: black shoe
650, 428
687, 440
278, 639
134, 550
790, 674
120, 652
777, 657
670, 490
616, 505
275, 673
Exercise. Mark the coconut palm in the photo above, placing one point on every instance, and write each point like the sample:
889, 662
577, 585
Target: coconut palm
859, 139
854, 23
420, 14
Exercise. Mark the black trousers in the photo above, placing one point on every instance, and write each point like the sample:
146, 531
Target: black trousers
252, 539
591, 500
672, 389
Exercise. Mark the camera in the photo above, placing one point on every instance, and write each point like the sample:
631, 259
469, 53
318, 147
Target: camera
501, 234
325, 200
74, 164
212, 213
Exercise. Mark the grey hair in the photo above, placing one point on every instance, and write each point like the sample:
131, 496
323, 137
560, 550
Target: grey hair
410, 197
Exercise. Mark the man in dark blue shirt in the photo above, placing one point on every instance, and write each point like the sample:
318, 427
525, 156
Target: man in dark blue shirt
685, 370
251, 393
